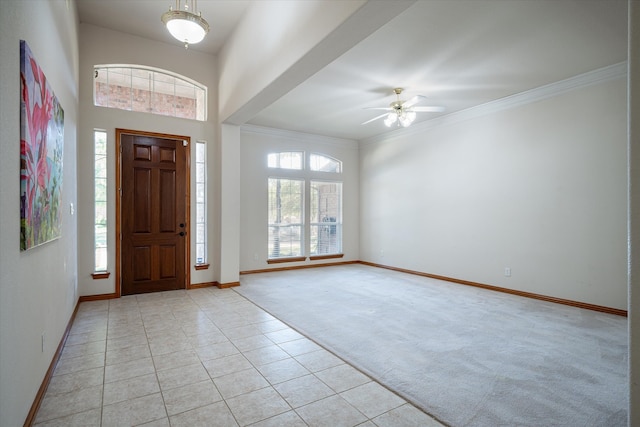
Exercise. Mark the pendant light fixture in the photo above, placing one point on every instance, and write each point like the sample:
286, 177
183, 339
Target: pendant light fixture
185, 23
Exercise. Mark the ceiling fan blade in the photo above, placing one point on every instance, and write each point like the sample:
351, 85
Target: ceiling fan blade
378, 108
375, 118
428, 109
413, 101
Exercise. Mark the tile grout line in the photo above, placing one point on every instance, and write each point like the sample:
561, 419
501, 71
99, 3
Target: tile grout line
104, 369
269, 384
155, 370
205, 368
248, 320
253, 366
311, 373
331, 352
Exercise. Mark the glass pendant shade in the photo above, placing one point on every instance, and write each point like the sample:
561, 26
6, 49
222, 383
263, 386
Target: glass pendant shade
185, 26
391, 119
406, 118
402, 117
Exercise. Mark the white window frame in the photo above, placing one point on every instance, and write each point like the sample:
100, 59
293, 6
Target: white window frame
201, 204
279, 223
330, 229
285, 160
307, 173
314, 159
100, 186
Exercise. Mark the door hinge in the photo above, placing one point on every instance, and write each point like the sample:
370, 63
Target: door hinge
185, 143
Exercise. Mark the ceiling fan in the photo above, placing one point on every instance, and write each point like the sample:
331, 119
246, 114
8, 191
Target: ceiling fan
403, 113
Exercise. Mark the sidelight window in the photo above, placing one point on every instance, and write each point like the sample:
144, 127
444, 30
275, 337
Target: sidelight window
100, 200
201, 204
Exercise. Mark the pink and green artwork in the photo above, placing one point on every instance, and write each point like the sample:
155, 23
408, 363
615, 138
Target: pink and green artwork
41, 146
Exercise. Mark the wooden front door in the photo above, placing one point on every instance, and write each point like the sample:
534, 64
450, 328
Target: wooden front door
153, 212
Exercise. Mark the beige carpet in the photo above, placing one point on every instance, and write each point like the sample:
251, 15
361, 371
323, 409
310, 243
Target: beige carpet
467, 356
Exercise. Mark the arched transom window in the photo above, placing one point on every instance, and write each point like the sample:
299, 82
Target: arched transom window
150, 90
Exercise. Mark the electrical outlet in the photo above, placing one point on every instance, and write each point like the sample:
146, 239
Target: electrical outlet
507, 271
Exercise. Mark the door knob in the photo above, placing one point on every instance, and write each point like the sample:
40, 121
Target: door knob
182, 233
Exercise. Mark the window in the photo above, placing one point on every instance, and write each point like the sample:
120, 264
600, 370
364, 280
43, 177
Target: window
285, 160
201, 204
151, 90
299, 227
100, 200
326, 218
286, 198
321, 163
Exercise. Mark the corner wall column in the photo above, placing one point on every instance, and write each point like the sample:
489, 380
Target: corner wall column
633, 88
230, 205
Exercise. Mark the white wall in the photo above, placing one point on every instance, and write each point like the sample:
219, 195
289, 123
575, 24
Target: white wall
38, 290
539, 187
634, 213
101, 46
256, 144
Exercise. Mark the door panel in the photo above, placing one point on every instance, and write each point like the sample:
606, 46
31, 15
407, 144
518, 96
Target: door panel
167, 201
153, 206
142, 261
141, 201
167, 262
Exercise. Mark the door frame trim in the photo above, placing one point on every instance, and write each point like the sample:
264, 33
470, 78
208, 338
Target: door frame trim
187, 248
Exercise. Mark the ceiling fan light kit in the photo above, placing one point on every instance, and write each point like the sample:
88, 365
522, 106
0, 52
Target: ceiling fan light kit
402, 113
189, 27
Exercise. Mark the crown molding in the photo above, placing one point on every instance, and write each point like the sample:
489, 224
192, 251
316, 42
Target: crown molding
600, 75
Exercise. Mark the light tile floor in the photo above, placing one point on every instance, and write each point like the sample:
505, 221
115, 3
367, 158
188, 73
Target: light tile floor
206, 357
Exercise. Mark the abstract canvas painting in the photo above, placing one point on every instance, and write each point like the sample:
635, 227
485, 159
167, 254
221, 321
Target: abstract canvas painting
41, 146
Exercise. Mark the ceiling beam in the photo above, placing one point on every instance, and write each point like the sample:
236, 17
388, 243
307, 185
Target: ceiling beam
364, 21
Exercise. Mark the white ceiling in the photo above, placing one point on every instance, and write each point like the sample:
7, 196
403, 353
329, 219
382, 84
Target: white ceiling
458, 53
142, 18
